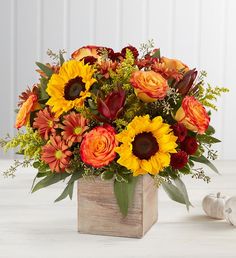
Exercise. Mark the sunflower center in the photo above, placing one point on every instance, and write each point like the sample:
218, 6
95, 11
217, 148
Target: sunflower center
58, 154
145, 145
73, 88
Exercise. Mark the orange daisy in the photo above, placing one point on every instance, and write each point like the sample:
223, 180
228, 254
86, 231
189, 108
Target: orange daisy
45, 122
28, 103
27, 93
74, 125
56, 154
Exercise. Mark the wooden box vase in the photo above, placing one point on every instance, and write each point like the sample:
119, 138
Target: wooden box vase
98, 212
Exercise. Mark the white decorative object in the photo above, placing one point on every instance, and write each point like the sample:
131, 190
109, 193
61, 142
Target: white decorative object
230, 210
214, 205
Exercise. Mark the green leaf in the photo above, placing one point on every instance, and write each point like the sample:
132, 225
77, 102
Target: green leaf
210, 130
107, 175
75, 177
33, 183
43, 101
157, 54
40, 175
61, 57
207, 139
182, 188
186, 169
124, 193
49, 180
19, 153
92, 105
42, 90
33, 114
173, 192
199, 151
191, 163
36, 164
121, 178
202, 159
68, 191
48, 71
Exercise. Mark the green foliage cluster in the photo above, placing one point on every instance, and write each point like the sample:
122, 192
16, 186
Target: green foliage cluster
57, 57
134, 107
124, 70
207, 94
146, 48
10, 172
29, 143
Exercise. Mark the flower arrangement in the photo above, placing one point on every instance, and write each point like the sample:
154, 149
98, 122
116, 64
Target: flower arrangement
117, 115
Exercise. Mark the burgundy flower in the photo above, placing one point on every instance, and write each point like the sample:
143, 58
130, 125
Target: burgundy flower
90, 60
111, 106
179, 160
189, 145
132, 49
180, 131
116, 56
110, 53
185, 85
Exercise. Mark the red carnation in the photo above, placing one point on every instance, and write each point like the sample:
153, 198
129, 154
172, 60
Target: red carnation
132, 49
179, 160
111, 106
180, 131
189, 145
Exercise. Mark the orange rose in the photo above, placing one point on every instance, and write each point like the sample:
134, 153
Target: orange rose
174, 64
149, 85
193, 115
23, 115
97, 147
85, 52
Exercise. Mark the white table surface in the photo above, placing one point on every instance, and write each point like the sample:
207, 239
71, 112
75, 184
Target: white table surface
31, 225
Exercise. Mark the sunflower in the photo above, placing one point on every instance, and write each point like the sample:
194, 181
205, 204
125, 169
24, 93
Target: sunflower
70, 87
146, 145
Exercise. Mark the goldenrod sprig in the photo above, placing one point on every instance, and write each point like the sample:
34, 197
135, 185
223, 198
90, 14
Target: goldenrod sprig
28, 143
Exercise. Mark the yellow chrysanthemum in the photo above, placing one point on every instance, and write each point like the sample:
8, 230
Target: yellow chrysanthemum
70, 87
146, 145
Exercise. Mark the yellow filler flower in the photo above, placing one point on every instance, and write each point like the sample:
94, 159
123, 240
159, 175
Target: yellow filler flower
70, 87
146, 145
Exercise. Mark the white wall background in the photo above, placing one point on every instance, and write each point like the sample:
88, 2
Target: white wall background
200, 32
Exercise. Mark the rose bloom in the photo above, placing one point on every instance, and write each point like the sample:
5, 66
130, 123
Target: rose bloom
174, 64
193, 115
28, 106
149, 85
97, 147
81, 53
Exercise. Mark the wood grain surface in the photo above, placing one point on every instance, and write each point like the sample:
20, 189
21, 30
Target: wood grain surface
98, 212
